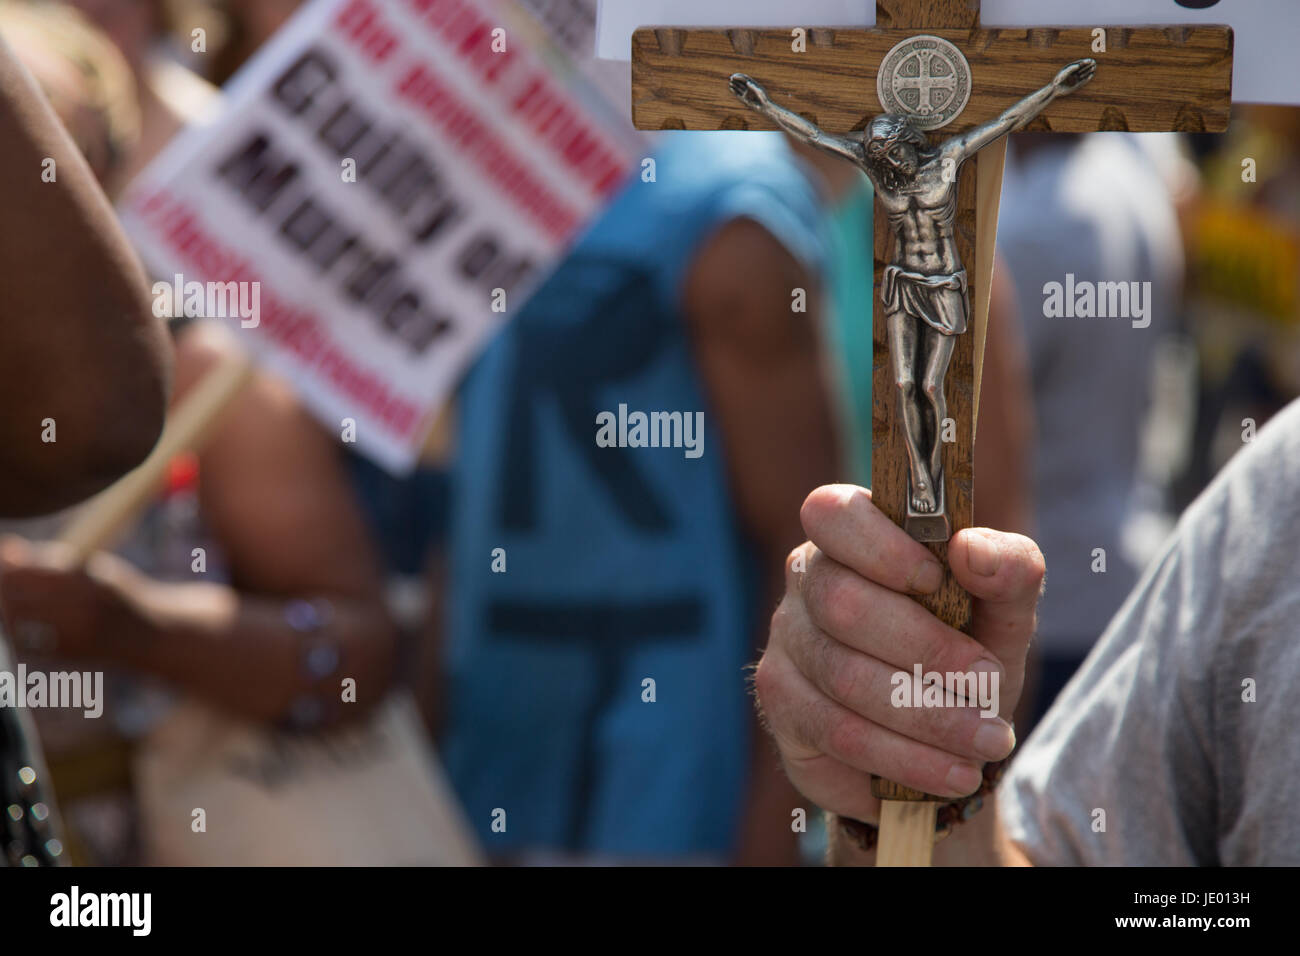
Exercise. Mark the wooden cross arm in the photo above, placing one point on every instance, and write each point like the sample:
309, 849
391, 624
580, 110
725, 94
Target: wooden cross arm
1149, 79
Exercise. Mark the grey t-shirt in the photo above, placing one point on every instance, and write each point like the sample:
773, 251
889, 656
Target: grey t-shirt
1159, 730
1095, 208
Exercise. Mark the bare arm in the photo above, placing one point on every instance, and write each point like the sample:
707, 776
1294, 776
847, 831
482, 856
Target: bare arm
755, 97
275, 494
960, 148
277, 501
78, 340
761, 368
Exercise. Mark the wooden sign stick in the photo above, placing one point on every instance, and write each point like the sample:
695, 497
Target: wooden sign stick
96, 523
1155, 78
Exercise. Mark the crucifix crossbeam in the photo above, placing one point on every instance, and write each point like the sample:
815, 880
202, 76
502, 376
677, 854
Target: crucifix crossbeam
1154, 79
930, 65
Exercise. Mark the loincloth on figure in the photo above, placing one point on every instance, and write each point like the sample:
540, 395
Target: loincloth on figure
939, 301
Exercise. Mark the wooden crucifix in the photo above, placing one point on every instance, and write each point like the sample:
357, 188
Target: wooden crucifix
916, 102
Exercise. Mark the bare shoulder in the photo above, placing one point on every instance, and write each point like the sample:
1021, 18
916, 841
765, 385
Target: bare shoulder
266, 423
741, 286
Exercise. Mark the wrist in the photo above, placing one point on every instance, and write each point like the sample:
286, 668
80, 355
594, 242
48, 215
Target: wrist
129, 622
859, 837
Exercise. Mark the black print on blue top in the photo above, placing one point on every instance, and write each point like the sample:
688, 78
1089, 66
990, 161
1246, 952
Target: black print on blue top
592, 325
617, 335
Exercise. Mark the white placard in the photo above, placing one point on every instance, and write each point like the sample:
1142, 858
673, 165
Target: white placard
571, 25
478, 157
1266, 68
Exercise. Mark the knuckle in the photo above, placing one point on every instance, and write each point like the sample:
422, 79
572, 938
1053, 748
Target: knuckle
1036, 564
927, 768
795, 564
956, 665
813, 511
858, 499
957, 654
830, 505
781, 623
789, 629
813, 584
842, 678
779, 706
1031, 566
931, 724
846, 737
898, 563
938, 650
834, 604
943, 727
941, 776
766, 683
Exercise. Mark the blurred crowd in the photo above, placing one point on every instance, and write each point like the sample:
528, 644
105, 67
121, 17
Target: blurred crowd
588, 700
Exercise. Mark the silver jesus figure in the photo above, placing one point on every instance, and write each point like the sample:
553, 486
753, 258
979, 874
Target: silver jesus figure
923, 291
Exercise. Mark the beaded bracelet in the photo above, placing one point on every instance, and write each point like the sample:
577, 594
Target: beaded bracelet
865, 835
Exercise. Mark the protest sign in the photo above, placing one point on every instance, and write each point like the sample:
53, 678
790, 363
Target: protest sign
385, 184
571, 25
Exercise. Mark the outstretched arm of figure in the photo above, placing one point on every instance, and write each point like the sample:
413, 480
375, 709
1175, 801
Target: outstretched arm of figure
963, 147
755, 97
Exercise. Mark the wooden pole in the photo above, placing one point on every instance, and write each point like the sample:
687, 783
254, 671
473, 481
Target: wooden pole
102, 518
907, 824
908, 816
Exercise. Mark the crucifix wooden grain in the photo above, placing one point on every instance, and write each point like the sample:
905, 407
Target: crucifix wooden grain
1155, 78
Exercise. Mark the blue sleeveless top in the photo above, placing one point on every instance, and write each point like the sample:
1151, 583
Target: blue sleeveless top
623, 565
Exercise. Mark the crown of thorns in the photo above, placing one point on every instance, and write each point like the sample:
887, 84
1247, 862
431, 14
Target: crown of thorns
890, 128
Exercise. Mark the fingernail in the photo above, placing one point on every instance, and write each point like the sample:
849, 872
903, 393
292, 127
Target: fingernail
965, 778
926, 577
985, 554
995, 739
986, 665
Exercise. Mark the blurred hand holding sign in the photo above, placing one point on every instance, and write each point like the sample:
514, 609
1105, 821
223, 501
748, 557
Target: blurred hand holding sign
395, 177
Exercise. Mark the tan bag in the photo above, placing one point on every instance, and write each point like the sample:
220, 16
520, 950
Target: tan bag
368, 794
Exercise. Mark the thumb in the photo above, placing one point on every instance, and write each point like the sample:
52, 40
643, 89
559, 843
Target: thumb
1004, 573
